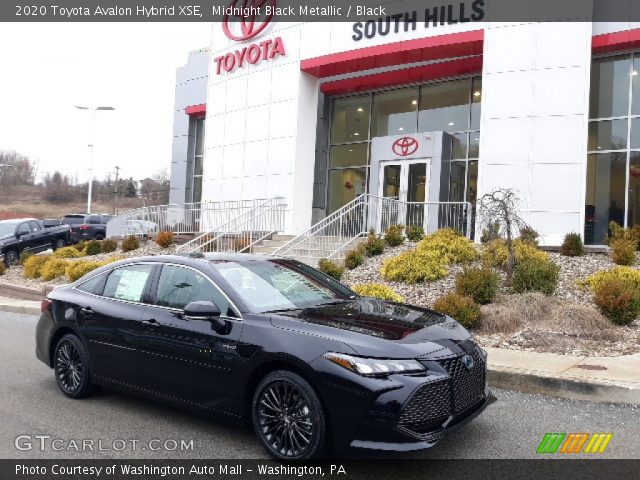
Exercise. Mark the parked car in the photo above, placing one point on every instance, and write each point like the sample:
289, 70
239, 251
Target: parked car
87, 227
29, 235
269, 341
51, 222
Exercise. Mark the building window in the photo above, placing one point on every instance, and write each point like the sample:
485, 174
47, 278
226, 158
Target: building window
613, 160
198, 161
452, 106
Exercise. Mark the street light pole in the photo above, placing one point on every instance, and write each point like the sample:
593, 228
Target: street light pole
92, 132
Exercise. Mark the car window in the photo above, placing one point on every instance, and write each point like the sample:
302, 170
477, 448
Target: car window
95, 219
128, 283
93, 285
24, 229
73, 220
35, 226
179, 286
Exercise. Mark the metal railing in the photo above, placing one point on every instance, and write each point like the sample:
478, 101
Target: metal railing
340, 231
243, 232
180, 218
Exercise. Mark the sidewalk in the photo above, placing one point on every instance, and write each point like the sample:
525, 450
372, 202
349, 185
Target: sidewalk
596, 379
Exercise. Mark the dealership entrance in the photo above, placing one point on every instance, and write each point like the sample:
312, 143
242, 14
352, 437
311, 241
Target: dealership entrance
406, 181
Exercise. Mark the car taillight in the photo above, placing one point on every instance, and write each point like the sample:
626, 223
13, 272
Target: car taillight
84, 227
45, 304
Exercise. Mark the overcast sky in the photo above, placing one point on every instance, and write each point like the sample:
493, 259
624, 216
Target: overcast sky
47, 68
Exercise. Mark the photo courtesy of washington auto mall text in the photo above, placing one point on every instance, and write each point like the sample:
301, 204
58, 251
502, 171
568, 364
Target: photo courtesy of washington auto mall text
341, 239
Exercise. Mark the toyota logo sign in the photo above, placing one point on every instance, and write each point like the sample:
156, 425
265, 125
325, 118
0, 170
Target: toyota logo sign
244, 25
405, 146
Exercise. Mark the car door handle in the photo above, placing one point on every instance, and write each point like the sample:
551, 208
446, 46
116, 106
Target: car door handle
151, 323
86, 311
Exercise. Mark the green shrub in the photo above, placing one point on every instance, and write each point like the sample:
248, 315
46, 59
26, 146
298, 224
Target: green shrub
130, 243
459, 307
491, 233
394, 236
330, 268
626, 274
415, 233
618, 300
353, 259
572, 245
415, 267
623, 251
529, 235
450, 244
67, 252
54, 268
374, 245
33, 265
80, 245
481, 284
377, 290
165, 239
3, 268
535, 276
24, 256
496, 255
92, 247
109, 246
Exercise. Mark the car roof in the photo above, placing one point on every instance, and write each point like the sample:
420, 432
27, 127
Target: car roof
18, 220
195, 259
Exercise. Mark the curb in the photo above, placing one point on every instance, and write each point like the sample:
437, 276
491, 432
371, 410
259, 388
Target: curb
570, 388
23, 309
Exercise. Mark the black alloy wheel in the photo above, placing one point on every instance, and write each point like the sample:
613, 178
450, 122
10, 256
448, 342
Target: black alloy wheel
60, 243
288, 417
71, 366
11, 258
99, 237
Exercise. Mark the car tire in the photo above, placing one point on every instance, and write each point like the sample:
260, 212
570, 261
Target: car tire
11, 258
99, 236
71, 367
293, 428
60, 243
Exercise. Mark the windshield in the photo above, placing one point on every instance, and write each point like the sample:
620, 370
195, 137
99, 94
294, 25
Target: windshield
280, 285
7, 229
72, 220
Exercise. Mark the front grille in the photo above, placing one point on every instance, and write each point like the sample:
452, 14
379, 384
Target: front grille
468, 385
428, 408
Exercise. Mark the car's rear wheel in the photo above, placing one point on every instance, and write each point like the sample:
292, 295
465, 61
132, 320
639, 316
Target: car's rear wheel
99, 236
60, 243
288, 417
11, 258
71, 367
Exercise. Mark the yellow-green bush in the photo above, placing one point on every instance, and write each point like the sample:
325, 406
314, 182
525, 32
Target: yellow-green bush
377, 290
76, 270
481, 284
618, 300
54, 268
3, 268
108, 245
535, 276
626, 274
496, 255
449, 243
24, 256
68, 252
92, 247
415, 266
623, 251
331, 268
394, 236
462, 308
33, 265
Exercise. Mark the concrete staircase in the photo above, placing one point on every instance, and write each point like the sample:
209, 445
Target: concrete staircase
315, 247
267, 247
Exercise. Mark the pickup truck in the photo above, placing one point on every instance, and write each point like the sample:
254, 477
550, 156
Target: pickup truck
29, 235
86, 227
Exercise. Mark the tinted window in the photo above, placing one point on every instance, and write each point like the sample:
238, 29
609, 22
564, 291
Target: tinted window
93, 285
7, 229
95, 219
128, 283
35, 226
73, 220
179, 286
23, 229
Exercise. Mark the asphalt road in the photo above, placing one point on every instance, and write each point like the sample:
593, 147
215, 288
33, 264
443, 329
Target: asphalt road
30, 404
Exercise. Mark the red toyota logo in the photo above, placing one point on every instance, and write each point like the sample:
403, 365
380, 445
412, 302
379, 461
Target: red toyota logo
244, 27
405, 146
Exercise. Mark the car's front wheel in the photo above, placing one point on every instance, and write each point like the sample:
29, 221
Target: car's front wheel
288, 417
60, 243
71, 367
11, 258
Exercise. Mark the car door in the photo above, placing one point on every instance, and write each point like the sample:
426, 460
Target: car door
185, 358
40, 240
96, 226
24, 237
110, 320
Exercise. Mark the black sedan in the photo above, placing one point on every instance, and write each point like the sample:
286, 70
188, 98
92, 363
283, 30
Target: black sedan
267, 341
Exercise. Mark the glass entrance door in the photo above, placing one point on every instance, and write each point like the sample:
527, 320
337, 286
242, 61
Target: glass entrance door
404, 187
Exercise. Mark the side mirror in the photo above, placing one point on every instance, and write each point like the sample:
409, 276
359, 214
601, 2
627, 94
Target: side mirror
204, 310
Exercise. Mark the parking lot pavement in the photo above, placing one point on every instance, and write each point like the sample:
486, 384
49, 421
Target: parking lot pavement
30, 404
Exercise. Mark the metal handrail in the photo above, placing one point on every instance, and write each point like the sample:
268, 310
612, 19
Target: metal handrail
330, 237
243, 232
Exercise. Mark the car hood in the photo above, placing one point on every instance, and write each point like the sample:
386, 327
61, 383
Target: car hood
377, 328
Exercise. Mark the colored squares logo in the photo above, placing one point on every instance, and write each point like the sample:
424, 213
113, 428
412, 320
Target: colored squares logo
574, 443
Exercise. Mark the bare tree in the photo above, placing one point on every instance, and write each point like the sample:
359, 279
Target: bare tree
500, 208
16, 169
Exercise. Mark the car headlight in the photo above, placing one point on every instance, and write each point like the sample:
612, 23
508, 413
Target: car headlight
374, 367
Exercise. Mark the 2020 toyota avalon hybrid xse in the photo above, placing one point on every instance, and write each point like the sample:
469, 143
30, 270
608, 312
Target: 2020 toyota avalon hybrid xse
269, 341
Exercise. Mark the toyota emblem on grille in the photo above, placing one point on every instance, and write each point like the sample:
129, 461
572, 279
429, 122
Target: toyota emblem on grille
405, 146
467, 361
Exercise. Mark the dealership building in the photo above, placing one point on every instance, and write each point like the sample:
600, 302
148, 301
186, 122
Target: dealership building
319, 113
